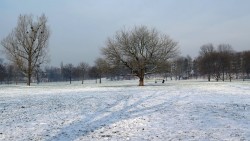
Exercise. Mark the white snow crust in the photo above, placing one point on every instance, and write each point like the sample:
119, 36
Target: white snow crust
120, 110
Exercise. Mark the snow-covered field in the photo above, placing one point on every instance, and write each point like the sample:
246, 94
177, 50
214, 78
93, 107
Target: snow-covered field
120, 110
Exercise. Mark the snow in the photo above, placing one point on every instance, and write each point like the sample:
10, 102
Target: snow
120, 110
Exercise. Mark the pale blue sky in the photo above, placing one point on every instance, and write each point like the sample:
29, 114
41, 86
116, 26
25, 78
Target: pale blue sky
80, 27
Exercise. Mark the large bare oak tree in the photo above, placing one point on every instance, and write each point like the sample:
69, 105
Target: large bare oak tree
27, 44
141, 49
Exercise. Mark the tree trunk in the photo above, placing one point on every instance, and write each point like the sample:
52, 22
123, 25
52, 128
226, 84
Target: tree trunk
29, 73
243, 76
141, 77
223, 77
16, 79
29, 79
100, 81
217, 79
82, 78
37, 78
141, 81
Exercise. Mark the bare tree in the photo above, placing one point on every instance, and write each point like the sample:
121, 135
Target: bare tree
195, 66
83, 68
206, 49
236, 65
205, 60
93, 73
27, 45
246, 64
178, 67
68, 71
181, 67
102, 68
142, 50
2, 71
218, 63
225, 58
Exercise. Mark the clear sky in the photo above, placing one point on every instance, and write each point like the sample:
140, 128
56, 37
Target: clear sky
80, 27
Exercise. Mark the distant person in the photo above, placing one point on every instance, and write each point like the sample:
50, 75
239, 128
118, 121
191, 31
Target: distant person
163, 81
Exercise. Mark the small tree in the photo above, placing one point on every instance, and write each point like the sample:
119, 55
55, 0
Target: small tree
93, 73
83, 67
68, 71
178, 67
10, 76
27, 45
142, 50
246, 63
225, 56
236, 66
2, 71
205, 60
102, 68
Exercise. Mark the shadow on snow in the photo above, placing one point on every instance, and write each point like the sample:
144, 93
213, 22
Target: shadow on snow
90, 123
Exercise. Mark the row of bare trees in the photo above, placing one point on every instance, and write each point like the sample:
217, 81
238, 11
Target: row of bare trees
69, 72
10, 74
219, 64
223, 63
101, 69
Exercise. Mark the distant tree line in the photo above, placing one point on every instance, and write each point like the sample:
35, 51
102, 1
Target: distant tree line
9, 74
221, 63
